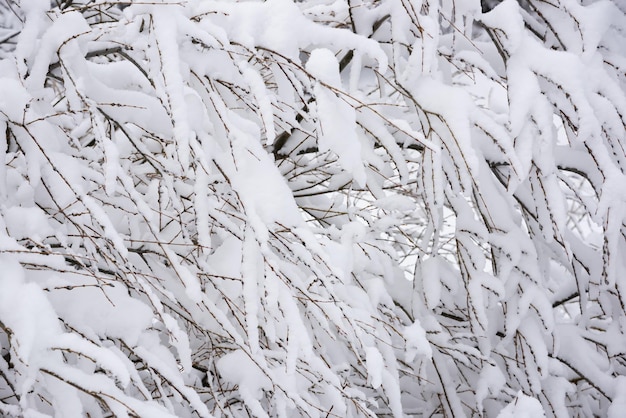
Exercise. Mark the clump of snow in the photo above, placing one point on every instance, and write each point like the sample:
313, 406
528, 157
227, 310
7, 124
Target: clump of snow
507, 17
523, 407
375, 366
259, 184
258, 89
25, 222
454, 106
431, 281
323, 65
25, 309
491, 381
336, 124
14, 99
63, 37
102, 311
416, 342
280, 25
618, 406
239, 369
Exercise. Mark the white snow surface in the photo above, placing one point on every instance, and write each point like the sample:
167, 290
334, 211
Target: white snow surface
523, 406
238, 368
202, 213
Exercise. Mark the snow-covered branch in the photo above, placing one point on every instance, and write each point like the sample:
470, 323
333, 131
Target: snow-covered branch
318, 209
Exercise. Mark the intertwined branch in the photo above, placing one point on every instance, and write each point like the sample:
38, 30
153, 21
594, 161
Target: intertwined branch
280, 209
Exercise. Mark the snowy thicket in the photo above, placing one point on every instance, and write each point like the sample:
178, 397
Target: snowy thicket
319, 208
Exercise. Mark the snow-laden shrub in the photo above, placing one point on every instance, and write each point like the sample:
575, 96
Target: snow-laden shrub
317, 208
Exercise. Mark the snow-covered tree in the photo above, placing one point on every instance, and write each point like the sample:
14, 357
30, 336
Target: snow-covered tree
316, 208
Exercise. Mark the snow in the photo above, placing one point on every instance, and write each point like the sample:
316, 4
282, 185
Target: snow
163, 365
491, 381
180, 340
588, 362
453, 106
25, 309
523, 407
160, 256
431, 282
252, 273
507, 17
593, 22
71, 26
103, 219
238, 368
27, 222
102, 357
370, 122
323, 65
399, 203
257, 87
279, 25
337, 119
616, 410
417, 343
14, 99
94, 310
3, 170
167, 46
258, 182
